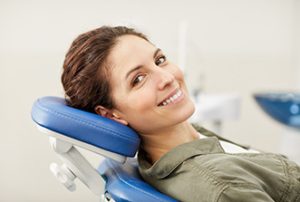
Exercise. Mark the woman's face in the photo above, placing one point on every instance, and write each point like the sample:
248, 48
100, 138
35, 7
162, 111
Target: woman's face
148, 90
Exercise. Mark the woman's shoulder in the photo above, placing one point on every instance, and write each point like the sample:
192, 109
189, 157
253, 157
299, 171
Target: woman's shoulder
244, 169
211, 174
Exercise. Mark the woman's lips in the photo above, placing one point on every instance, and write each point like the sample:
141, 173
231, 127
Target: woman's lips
174, 97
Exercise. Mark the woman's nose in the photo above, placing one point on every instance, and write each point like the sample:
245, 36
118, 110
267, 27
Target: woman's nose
165, 78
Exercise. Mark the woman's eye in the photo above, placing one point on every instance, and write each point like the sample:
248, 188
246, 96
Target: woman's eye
137, 79
160, 60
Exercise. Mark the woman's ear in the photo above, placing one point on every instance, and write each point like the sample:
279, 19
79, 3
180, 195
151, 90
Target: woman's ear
102, 111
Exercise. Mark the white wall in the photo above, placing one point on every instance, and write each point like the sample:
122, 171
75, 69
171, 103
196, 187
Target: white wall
296, 38
243, 46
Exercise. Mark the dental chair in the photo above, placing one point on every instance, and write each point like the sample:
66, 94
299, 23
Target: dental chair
68, 127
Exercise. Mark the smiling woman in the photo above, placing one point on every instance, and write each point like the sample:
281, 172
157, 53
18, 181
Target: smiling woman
117, 73
140, 70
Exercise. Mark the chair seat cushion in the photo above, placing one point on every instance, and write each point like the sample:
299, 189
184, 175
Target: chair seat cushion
124, 183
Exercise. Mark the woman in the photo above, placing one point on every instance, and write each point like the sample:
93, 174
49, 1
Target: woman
117, 73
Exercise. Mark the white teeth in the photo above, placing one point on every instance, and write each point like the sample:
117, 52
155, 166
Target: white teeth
173, 98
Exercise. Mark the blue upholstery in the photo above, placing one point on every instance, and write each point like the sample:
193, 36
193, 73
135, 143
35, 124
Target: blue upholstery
52, 113
123, 182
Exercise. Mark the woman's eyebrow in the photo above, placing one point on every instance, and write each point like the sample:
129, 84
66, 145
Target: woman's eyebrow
138, 67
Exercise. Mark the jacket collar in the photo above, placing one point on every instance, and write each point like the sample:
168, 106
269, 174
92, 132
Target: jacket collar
168, 162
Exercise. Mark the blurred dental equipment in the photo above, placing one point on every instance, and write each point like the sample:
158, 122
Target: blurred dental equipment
284, 108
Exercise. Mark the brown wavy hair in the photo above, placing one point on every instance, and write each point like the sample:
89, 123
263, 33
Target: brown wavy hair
86, 72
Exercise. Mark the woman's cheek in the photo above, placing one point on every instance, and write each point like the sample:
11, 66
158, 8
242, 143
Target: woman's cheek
146, 101
143, 100
178, 73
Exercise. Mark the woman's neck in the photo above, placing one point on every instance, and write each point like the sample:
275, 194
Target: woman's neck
158, 143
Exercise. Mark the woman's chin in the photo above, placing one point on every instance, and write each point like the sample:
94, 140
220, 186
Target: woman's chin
185, 112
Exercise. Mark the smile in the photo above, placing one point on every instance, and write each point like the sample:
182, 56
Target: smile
174, 98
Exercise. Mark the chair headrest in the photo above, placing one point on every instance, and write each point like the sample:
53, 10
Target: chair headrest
53, 113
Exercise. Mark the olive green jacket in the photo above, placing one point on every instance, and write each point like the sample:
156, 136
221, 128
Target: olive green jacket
200, 171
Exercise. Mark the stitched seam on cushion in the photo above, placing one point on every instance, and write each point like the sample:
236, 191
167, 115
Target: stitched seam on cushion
83, 122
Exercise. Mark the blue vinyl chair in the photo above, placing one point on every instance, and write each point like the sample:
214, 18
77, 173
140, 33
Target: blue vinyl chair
68, 127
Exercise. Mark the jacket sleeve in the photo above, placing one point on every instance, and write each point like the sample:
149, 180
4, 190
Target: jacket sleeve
244, 193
